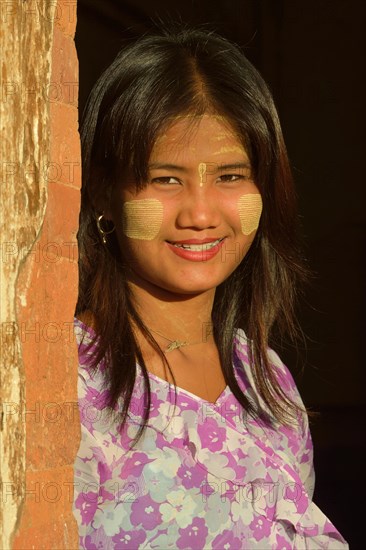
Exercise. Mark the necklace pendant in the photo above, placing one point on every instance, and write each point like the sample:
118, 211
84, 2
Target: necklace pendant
175, 345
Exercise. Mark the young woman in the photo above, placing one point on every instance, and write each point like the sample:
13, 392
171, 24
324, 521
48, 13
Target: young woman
194, 435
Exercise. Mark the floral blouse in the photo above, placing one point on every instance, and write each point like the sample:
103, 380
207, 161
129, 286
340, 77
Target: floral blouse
199, 478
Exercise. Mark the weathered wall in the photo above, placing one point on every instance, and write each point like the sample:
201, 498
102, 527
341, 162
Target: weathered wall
40, 180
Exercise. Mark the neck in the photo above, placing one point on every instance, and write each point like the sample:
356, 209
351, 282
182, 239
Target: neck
176, 316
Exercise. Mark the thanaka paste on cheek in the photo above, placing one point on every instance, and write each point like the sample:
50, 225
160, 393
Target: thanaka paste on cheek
142, 218
250, 209
202, 167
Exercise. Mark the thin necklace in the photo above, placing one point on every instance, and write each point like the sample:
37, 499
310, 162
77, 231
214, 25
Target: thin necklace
175, 344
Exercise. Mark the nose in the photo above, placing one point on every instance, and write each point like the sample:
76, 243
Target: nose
199, 208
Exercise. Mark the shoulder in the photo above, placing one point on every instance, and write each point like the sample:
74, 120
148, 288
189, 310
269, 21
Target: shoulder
87, 342
84, 328
87, 318
84, 335
242, 345
284, 379
92, 393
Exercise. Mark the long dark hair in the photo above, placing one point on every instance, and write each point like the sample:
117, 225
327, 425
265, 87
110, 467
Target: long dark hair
174, 72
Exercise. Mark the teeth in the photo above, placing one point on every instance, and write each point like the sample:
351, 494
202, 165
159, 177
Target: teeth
198, 247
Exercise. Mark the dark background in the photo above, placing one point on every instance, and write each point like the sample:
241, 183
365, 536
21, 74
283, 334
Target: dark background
311, 53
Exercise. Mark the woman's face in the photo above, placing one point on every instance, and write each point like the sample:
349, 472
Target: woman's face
193, 223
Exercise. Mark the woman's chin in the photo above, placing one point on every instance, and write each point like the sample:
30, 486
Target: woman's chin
176, 287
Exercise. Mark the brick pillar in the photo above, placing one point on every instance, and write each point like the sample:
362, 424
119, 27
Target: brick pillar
40, 195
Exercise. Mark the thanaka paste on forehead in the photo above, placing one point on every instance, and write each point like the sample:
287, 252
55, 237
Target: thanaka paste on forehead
231, 149
220, 137
250, 209
190, 115
202, 167
142, 218
178, 118
161, 138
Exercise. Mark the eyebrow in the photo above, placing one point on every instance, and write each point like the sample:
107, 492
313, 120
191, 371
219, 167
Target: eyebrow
232, 166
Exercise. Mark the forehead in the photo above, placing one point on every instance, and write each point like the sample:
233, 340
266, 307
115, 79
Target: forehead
206, 135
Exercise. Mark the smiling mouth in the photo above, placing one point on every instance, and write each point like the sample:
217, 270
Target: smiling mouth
198, 247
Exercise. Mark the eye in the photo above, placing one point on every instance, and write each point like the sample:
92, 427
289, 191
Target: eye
167, 180
233, 177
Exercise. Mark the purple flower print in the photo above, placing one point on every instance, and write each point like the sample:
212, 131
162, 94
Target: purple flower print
310, 530
138, 405
233, 463
305, 459
145, 512
105, 495
104, 471
309, 442
122, 439
193, 536
292, 439
178, 442
96, 398
161, 441
207, 489
204, 480
185, 405
133, 466
84, 339
191, 477
226, 541
261, 527
293, 492
90, 545
90, 408
129, 539
211, 435
87, 504
230, 491
155, 404
270, 511
284, 376
84, 357
281, 544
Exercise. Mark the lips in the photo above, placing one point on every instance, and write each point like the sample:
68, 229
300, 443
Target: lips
197, 245
204, 251
197, 241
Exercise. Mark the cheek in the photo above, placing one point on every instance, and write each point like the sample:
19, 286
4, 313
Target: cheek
250, 209
142, 218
